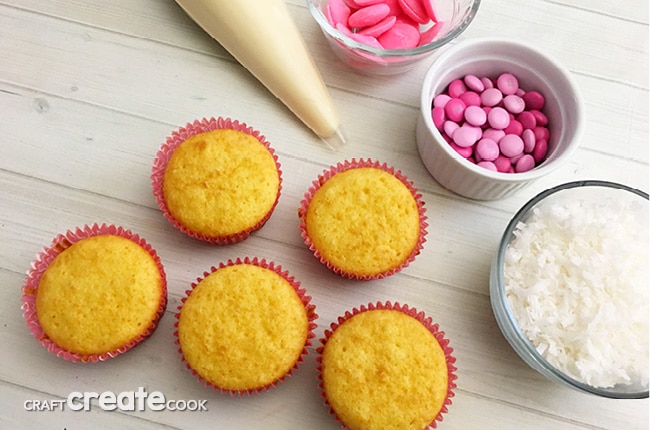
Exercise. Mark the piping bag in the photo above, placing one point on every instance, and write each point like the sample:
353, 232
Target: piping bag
263, 37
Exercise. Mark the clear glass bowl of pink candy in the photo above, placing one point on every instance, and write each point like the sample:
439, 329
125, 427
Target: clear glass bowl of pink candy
388, 37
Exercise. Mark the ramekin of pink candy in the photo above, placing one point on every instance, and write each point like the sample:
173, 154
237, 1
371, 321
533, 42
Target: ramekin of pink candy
385, 37
495, 115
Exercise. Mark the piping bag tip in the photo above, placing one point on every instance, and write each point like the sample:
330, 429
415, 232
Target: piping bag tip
336, 140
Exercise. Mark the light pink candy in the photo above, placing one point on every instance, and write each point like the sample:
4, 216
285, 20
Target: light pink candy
487, 149
507, 83
487, 82
364, 3
511, 145
429, 35
514, 104
449, 127
464, 136
380, 28
366, 40
487, 165
528, 136
491, 97
369, 15
475, 115
441, 100
395, 8
474, 83
337, 12
415, 10
493, 134
431, 10
525, 163
400, 36
498, 118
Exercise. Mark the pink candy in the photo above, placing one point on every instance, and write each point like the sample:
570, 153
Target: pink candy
385, 24
492, 122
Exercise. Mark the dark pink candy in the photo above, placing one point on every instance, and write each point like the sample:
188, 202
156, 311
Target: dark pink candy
534, 100
503, 164
456, 88
438, 116
540, 118
541, 133
455, 109
527, 119
471, 98
539, 153
465, 152
514, 127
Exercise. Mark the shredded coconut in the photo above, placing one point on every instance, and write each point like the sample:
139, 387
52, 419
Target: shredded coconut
576, 277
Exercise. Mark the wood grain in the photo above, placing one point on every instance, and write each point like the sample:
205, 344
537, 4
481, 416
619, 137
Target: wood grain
90, 89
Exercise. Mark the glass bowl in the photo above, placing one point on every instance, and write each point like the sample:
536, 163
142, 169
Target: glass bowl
545, 296
453, 17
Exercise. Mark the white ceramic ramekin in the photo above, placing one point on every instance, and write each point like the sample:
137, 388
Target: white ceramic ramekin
535, 71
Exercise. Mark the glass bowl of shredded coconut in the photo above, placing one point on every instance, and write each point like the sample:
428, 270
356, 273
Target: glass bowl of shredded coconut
569, 287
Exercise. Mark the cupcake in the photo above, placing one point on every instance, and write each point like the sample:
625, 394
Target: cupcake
216, 180
384, 367
96, 292
244, 326
363, 220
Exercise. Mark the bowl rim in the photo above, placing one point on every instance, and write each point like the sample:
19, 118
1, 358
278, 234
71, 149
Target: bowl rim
577, 123
498, 297
324, 24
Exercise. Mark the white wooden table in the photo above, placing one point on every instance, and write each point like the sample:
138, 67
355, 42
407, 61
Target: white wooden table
90, 89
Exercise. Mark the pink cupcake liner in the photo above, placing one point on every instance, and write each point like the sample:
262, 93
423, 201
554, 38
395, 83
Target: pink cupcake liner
301, 292
354, 164
412, 312
162, 160
47, 256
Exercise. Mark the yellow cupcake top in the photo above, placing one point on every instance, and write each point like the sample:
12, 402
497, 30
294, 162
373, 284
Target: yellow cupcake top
220, 183
243, 327
99, 294
383, 369
364, 221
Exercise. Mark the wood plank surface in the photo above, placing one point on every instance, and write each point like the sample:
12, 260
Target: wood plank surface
89, 90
